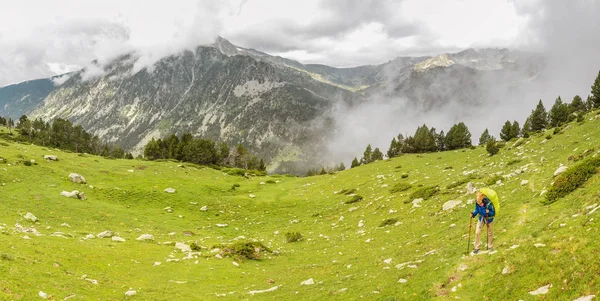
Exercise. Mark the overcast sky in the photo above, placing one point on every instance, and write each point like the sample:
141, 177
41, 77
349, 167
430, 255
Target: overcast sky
43, 38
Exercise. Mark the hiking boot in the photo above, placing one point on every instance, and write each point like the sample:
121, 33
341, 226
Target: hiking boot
475, 251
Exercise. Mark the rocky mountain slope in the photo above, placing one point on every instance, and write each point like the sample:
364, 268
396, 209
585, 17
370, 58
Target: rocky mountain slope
279, 108
18, 99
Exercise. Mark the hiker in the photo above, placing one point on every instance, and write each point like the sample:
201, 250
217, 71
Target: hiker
484, 208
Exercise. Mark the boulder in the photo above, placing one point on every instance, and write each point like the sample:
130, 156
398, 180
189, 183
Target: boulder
130, 293
51, 158
118, 239
77, 178
30, 217
471, 187
416, 203
183, 247
524, 182
75, 194
203, 208
588, 297
308, 282
560, 170
170, 190
105, 234
451, 204
542, 290
145, 237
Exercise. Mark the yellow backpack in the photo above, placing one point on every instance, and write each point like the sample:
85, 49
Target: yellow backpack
491, 194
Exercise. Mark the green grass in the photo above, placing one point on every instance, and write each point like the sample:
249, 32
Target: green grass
343, 246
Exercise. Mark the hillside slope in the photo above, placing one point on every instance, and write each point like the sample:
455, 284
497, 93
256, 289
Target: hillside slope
348, 256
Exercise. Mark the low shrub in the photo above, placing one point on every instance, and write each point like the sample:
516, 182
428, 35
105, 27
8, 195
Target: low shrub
491, 180
293, 237
571, 179
404, 175
235, 171
244, 250
195, 247
513, 162
448, 167
492, 147
462, 181
580, 118
347, 191
424, 193
399, 187
6, 257
354, 199
270, 181
234, 186
548, 137
27, 163
388, 222
556, 131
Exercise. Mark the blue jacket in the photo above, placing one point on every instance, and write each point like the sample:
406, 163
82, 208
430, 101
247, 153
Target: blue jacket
487, 204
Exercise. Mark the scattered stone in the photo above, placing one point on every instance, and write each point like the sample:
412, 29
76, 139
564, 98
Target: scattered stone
43, 295
361, 223
342, 290
118, 239
145, 237
538, 245
130, 293
560, 170
236, 264
89, 236
513, 247
168, 209
450, 204
218, 256
222, 225
251, 196
169, 190
388, 261
588, 297
183, 247
452, 225
524, 182
105, 234
204, 208
308, 282
471, 188
402, 280
77, 178
75, 194
353, 209
541, 291
505, 270
30, 217
157, 263
543, 192
50, 158
416, 203
462, 267
263, 291
65, 225
262, 183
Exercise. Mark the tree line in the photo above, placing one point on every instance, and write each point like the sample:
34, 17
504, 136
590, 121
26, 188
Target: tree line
427, 139
61, 134
202, 151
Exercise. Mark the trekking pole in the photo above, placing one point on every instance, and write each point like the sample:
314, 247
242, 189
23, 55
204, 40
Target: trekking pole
487, 232
469, 235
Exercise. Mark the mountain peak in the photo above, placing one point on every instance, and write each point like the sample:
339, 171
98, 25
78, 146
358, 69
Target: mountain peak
225, 47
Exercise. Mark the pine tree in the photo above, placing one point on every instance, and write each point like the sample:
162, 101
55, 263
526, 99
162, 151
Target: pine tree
262, 166
152, 151
526, 127
515, 130
440, 141
424, 140
240, 159
224, 153
492, 147
341, 167
366, 159
392, 151
539, 117
596, 92
577, 105
354, 163
505, 133
589, 103
559, 113
253, 163
485, 137
376, 155
458, 137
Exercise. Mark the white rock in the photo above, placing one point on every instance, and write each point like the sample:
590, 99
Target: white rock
513, 247
89, 236
462, 267
105, 234
222, 225
543, 192
51, 157
157, 263
471, 188
402, 280
388, 261
30, 217
262, 183
183, 247
117, 238
542, 290
170, 190
588, 297
43, 295
538, 245
145, 237
451, 204
130, 293
452, 225
505, 270
251, 196
203, 208
263, 291
416, 203
353, 209
77, 178
308, 282
524, 182
218, 256
560, 170
361, 224
65, 225
236, 264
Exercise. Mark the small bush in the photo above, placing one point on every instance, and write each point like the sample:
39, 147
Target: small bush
399, 166
556, 131
526, 135
244, 250
404, 175
548, 137
270, 181
462, 181
492, 147
473, 147
6, 257
195, 247
424, 193
347, 191
492, 180
399, 187
234, 186
580, 118
27, 163
293, 237
513, 162
235, 171
448, 167
354, 199
571, 179
388, 222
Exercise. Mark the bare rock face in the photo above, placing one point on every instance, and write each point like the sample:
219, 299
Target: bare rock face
77, 178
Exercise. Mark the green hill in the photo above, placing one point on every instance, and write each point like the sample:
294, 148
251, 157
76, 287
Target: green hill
378, 247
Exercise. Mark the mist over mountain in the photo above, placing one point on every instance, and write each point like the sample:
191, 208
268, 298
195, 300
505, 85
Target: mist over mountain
294, 115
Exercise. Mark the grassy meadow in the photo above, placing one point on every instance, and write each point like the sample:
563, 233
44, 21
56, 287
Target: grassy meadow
378, 247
